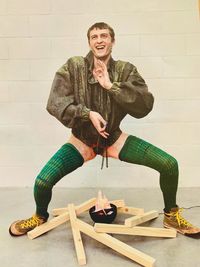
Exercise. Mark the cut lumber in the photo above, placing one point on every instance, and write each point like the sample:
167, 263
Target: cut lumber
117, 245
43, 228
53, 223
118, 203
136, 230
138, 219
80, 252
131, 210
87, 205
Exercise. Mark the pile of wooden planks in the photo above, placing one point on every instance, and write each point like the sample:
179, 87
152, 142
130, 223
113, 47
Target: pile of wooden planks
100, 232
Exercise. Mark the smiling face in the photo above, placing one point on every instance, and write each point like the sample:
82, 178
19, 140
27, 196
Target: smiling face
100, 43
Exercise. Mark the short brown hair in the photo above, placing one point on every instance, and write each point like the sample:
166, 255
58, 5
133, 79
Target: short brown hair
101, 25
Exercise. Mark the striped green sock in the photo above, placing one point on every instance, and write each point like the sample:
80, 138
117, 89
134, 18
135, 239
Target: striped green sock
65, 160
138, 151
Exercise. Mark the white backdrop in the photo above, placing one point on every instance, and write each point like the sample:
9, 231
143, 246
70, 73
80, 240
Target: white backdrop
162, 38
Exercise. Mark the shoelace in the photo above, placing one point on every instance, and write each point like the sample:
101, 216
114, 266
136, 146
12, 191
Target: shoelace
179, 218
31, 222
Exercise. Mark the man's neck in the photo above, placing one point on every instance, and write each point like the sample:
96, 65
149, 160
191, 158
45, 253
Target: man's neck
104, 60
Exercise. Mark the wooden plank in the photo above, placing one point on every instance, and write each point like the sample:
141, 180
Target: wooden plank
136, 230
138, 219
119, 203
87, 205
59, 211
80, 252
131, 210
117, 245
43, 228
53, 223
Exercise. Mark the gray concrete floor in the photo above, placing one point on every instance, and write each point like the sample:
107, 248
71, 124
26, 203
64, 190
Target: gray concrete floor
56, 248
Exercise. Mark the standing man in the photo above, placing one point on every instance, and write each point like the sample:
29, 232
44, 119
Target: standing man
91, 95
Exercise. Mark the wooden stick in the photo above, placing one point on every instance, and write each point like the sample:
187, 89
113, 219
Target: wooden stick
141, 231
80, 252
119, 203
59, 211
131, 210
43, 228
135, 220
117, 245
91, 202
53, 223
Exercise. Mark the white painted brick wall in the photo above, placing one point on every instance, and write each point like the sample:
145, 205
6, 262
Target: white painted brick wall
193, 44
29, 48
162, 38
3, 7
14, 26
20, 7
3, 49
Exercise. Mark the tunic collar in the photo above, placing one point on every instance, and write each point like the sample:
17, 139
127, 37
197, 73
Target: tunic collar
90, 61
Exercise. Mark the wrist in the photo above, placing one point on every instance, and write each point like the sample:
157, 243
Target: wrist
108, 86
90, 114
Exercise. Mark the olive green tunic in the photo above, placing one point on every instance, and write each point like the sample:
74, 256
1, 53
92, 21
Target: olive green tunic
75, 92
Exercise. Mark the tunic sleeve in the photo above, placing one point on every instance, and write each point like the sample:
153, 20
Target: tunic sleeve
61, 103
132, 93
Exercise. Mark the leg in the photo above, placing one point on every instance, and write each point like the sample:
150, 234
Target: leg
66, 159
138, 151
134, 150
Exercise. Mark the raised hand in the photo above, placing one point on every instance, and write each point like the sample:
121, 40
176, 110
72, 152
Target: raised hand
100, 73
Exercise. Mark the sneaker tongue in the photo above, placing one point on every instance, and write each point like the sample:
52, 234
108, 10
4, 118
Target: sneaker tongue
174, 209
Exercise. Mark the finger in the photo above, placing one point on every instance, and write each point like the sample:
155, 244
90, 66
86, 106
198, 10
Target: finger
107, 134
103, 131
94, 73
104, 135
96, 70
103, 123
102, 64
99, 62
100, 129
99, 71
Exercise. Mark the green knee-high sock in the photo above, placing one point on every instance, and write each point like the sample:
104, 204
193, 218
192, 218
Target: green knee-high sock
64, 161
138, 151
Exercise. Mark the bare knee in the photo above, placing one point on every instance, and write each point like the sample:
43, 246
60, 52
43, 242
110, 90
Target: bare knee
86, 151
114, 150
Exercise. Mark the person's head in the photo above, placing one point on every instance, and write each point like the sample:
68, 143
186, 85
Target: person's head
101, 38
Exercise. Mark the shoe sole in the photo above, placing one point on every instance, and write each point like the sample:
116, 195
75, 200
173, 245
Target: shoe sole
12, 234
183, 233
168, 227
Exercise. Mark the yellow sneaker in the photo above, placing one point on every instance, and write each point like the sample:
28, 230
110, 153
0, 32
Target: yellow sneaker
174, 220
19, 228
